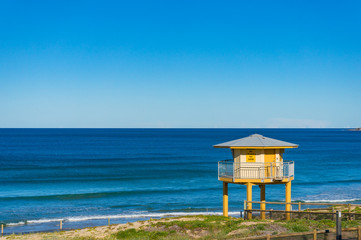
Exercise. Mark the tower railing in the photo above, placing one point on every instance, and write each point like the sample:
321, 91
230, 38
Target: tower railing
254, 170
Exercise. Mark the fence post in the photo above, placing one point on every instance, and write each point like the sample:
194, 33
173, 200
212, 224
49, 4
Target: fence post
359, 233
2, 229
314, 234
268, 237
270, 213
245, 209
309, 214
108, 221
338, 226
61, 224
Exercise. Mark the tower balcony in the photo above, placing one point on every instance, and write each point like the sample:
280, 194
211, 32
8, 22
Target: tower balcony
243, 172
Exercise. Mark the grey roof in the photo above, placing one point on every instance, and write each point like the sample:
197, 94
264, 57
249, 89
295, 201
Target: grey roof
255, 140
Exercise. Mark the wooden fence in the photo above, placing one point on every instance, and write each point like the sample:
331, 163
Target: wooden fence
348, 233
300, 204
302, 212
310, 215
54, 230
348, 213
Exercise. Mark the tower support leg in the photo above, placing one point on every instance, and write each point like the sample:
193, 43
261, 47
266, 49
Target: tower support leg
263, 200
249, 200
288, 200
225, 199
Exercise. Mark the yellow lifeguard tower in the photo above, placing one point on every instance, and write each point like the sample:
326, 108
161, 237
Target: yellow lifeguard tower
257, 160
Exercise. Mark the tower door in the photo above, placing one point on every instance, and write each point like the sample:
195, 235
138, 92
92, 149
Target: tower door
270, 162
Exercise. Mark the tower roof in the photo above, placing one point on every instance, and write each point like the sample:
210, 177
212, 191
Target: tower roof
256, 141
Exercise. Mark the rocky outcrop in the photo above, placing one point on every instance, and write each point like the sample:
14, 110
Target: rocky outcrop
355, 129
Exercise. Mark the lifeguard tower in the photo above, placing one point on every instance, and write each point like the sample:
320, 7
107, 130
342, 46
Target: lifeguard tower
257, 160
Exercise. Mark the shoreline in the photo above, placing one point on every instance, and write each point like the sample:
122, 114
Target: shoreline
73, 223
187, 227
68, 224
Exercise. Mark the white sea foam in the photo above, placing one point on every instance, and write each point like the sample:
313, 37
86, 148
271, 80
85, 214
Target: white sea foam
15, 224
119, 216
331, 200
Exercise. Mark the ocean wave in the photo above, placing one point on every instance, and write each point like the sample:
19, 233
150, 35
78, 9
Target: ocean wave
110, 162
331, 200
105, 194
328, 182
168, 174
118, 216
15, 224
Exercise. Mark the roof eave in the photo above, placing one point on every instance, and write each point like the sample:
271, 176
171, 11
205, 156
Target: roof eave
254, 147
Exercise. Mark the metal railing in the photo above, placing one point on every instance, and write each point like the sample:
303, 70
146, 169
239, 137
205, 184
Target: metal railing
245, 170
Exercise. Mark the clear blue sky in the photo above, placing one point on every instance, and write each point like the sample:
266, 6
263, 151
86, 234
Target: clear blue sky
180, 64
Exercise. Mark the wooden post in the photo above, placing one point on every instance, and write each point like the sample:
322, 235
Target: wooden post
309, 214
314, 234
288, 200
268, 237
299, 206
61, 224
263, 200
249, 201
270, 213
225, 199
359, 233
338, 226
245, 209
2, 229
108, 221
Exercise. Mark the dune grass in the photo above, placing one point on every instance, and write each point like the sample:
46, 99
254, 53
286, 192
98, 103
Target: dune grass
194, 227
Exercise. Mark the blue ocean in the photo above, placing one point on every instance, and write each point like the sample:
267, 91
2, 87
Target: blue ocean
85, 176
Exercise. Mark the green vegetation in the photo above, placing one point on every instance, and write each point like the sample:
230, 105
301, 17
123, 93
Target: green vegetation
357, 210
141, 234
195, 227
218, 227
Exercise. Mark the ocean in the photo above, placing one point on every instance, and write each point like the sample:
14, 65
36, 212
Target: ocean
85, 176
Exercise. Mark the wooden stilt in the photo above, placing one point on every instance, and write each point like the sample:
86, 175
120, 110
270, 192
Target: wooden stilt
288, 200
225, 199
263, 200
249, 200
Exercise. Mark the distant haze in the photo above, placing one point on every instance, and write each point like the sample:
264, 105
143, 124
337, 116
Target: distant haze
180, 64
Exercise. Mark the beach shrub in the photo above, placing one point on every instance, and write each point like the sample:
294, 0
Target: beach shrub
357, 210
132, 234
259, 227
350, 224
298, 225
325, 223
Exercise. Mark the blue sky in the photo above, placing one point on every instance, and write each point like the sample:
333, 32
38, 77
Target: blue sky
180, 64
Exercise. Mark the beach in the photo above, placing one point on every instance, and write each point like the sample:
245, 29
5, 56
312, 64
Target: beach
191, 227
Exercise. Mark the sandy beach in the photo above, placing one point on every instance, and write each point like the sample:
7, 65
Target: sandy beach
191, 227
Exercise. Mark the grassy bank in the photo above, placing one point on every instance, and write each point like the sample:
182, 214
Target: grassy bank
192, 227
